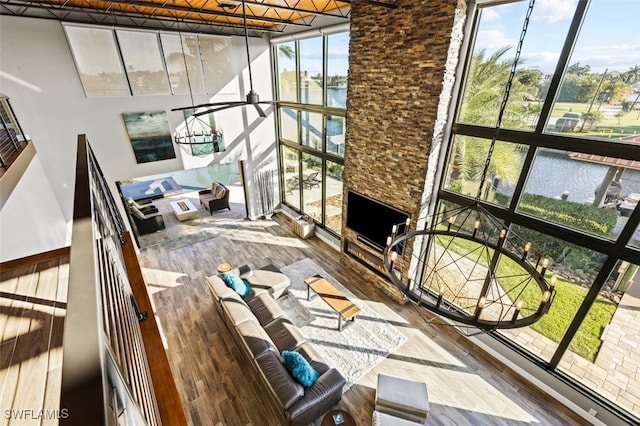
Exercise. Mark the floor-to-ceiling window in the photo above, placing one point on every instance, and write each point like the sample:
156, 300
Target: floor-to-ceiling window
564, 174
312, 89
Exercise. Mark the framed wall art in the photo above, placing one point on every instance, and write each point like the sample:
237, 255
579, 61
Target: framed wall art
149, 135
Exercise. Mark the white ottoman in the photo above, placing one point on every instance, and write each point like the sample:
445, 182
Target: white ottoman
382, 419
402, 398
268, 278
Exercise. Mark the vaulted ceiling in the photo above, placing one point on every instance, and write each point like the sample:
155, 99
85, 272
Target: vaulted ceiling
200, 16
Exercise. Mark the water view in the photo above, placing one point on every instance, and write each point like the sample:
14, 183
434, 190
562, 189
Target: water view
554, 173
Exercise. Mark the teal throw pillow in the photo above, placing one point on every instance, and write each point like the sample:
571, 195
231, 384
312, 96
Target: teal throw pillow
238, 285
300, 368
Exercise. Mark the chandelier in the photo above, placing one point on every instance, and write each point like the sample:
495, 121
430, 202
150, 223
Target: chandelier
469, 266
199, 136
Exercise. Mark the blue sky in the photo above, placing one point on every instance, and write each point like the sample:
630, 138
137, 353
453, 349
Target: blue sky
338, 54
609, 37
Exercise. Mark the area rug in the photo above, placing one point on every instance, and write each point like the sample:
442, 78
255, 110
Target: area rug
356, 349
188, 239
181, 234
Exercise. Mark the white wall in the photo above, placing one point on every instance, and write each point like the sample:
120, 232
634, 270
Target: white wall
22, 216
38, 74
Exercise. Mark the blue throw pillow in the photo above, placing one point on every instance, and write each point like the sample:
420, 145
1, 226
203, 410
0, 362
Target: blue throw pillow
238, 285
300, 368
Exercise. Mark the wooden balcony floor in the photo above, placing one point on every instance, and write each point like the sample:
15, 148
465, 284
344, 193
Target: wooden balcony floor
32, 310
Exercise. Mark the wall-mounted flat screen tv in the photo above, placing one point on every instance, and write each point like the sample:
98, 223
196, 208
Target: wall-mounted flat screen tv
373, 220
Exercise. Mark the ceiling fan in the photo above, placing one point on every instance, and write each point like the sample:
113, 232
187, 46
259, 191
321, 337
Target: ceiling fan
252, 97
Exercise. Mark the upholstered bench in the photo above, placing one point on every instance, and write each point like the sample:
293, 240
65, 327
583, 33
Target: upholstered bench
403, 398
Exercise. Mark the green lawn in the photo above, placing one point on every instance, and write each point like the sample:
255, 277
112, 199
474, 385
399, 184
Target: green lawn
610, 127
569, 296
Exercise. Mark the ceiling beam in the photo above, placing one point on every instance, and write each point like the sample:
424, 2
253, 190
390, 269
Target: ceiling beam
384, 3
296, 9
114, 18
201, 11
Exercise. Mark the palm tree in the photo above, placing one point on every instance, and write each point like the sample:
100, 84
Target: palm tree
469, 157
484, 91
632, 75
286, 51
287, 79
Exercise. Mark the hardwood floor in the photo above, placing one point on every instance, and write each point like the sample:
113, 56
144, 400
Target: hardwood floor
32, 310
465, 387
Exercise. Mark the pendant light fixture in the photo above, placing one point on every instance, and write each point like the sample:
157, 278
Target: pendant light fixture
199, 136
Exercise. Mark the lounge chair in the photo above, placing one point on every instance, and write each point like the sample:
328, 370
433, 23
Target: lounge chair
311, 180
145, 206
146, 223
216, 198
291, 184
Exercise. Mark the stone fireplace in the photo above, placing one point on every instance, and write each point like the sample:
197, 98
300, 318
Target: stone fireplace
401, 76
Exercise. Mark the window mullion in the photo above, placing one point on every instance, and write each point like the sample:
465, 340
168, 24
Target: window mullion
561, 66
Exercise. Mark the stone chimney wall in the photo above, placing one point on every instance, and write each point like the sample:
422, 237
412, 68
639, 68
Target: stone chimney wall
400, 68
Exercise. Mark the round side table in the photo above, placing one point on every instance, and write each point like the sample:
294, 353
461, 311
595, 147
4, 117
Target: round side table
330, 418
224, 267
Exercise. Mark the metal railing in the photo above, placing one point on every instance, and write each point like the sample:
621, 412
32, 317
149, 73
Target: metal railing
12, 139
106, 377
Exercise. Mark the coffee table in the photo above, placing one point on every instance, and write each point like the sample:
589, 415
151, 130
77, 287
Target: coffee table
330, 418
184, 210
333, 297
